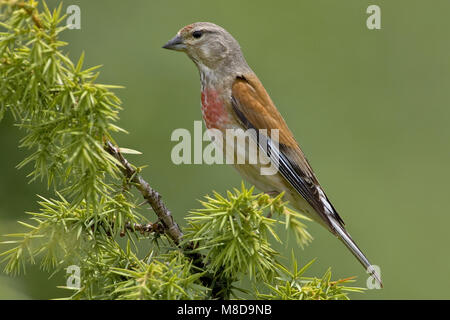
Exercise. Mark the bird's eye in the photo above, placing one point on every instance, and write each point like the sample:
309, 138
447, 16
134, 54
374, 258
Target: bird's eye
197, 34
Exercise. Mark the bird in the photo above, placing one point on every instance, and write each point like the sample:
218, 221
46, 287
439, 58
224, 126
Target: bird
232, 97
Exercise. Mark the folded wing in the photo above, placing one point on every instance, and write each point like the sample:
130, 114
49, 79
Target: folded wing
254, 109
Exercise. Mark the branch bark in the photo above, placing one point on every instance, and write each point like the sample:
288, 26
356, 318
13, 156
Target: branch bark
153, 198
220, 287
31, 11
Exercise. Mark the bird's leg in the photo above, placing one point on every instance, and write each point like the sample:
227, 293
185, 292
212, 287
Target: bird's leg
272, 193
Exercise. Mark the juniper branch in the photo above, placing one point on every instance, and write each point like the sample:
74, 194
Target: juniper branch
220, 287
30, 10
144, 228
153, 197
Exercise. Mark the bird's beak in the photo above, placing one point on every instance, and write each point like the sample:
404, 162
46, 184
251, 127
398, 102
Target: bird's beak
176, 43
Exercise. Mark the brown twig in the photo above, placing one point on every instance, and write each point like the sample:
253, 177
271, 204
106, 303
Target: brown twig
153, 198
144, 228
220, 288
30, 10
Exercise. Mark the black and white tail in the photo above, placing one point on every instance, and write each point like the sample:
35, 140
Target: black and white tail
343, 235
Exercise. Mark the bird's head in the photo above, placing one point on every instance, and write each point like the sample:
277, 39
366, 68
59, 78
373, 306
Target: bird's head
208, 45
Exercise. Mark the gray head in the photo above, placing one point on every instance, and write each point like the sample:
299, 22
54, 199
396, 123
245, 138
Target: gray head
210, 46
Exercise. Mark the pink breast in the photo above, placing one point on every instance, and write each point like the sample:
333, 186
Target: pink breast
213, 109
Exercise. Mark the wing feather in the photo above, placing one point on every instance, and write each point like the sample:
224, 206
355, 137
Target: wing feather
254, 109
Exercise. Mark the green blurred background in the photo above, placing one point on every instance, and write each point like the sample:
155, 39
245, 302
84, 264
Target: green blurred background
369, 107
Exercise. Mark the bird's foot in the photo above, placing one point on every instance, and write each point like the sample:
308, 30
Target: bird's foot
271, 194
